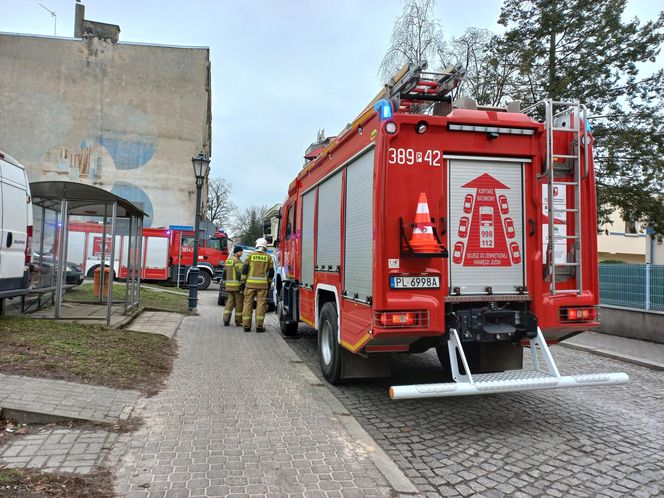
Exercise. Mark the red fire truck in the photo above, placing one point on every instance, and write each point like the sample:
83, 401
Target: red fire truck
167, 254
366, 226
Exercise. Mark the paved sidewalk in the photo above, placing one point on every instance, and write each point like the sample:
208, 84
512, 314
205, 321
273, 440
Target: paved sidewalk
157, 322
76, 450
240, 417
643, 353
66, 399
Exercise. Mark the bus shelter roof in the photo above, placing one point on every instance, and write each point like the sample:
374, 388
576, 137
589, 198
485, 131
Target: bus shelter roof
84, 200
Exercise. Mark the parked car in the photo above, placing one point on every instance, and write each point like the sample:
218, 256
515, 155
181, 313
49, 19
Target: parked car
47, 265
15, 228
221, 299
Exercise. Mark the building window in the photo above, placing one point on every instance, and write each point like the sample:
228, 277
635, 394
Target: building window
631, 228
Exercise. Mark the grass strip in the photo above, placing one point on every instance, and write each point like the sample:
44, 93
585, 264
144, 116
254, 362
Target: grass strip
84, 353
168, 301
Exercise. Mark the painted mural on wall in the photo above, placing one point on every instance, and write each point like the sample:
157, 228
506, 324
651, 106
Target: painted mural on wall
128, 149
116, 144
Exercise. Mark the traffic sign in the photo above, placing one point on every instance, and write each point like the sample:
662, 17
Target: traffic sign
183, 228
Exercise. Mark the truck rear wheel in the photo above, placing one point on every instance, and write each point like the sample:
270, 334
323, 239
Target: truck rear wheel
329, 349
288, 329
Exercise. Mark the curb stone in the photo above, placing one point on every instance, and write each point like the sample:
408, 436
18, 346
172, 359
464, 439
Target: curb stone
614, 356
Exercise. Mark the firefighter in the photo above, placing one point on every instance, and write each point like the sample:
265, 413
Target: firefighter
233, 283
258, 270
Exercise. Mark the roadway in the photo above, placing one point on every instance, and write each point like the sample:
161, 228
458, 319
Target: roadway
573, 442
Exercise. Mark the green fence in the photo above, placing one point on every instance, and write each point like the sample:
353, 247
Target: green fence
632, 286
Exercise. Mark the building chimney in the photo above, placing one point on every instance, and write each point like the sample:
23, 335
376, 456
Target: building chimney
78, 20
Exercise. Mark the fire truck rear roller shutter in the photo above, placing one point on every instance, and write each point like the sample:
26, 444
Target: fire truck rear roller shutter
308, 203
358, 267
491, 267
328, 248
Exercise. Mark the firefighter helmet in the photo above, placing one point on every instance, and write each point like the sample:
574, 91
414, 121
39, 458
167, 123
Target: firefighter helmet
261, 243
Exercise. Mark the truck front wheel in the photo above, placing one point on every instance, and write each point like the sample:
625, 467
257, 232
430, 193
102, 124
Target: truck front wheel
204, 280
329, 349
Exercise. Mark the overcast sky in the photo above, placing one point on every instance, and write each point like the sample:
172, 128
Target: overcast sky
281, 69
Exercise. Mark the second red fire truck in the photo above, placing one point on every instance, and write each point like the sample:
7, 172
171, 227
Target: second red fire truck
167, 254
467, 229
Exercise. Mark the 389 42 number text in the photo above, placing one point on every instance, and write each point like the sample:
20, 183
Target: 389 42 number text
409, 157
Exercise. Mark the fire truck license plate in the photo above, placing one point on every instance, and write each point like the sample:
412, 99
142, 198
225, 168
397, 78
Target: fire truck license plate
421, 282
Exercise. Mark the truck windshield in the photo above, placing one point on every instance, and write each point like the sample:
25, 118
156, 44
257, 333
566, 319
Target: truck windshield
219, 244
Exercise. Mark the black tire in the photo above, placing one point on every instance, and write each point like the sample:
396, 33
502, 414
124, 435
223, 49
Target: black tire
329, 349
204, 280
287, 329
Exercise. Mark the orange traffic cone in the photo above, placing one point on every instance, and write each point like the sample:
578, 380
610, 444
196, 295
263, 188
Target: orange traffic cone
423, 240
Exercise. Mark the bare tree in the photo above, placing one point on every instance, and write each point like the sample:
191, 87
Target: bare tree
490, 71
247, 224
220, 208
416, 37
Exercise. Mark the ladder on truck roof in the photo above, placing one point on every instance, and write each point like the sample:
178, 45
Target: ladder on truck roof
413, 84
564, 171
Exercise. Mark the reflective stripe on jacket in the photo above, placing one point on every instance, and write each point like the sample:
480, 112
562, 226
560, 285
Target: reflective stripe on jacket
233, 273
260, 264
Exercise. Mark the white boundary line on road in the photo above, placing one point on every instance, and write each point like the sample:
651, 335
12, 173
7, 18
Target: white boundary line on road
392, 473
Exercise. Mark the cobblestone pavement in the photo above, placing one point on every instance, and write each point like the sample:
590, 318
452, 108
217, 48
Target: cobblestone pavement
573, 442
63, 450
67, 399
236, 419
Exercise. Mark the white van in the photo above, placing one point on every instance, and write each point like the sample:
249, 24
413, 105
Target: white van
15, 228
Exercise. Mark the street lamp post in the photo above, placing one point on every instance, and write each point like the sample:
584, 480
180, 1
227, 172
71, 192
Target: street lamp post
201, 167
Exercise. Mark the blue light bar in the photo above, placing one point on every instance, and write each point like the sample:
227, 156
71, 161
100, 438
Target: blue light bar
384, 108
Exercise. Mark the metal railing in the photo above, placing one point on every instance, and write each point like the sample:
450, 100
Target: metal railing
632, 286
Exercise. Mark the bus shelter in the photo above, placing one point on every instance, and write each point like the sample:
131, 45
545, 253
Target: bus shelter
111, 250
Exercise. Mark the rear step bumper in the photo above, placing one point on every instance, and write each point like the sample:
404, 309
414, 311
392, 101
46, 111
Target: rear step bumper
508, 381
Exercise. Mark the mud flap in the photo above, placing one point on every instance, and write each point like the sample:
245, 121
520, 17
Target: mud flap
354, 366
